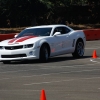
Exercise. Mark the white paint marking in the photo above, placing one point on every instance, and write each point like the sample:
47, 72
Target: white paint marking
50, 67
19, 90
49, 82
60, 81
52, 74
62, 73
92, 60
93, 48
4, 79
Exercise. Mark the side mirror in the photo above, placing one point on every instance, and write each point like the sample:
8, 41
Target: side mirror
16, 35
57, 33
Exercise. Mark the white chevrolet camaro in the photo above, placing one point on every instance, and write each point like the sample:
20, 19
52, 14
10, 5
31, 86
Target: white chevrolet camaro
42, 42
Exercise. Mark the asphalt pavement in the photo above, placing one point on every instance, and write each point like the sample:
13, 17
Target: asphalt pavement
62, 78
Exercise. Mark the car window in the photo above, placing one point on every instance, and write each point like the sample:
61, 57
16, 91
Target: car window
35, 32
63, 30
67, 30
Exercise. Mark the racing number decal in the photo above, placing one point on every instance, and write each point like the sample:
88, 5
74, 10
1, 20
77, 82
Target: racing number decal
52, 47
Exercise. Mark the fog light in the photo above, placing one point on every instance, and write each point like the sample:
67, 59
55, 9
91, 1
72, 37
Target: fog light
31, 53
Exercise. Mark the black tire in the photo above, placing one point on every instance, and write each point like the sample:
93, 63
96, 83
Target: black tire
44, 53
6, 62
79, 49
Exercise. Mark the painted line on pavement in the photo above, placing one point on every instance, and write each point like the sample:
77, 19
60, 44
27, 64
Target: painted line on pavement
95, 60
49, 82
51, 67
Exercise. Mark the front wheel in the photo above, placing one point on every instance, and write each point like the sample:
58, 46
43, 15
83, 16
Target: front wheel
44, 53
79, 49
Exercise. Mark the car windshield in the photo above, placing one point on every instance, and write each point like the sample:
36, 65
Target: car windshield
35, 32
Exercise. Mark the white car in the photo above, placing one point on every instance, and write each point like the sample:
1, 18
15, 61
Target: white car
42, 42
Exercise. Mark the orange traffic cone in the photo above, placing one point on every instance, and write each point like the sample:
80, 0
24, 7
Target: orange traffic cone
94, 54
43, 96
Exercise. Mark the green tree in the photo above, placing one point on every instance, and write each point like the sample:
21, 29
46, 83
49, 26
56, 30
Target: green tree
28, 12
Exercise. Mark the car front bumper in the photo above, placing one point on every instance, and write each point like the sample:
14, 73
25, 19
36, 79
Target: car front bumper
19, 54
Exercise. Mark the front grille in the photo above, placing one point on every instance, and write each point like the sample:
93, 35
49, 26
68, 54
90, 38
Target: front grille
13, 56
13, 47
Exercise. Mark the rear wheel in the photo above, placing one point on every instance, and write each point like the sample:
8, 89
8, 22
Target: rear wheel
79, 49
44, 53
6, 62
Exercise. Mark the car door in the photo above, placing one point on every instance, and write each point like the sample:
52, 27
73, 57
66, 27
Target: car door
55, 45
63, 40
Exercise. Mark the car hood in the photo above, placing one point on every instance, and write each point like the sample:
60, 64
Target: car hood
21, 40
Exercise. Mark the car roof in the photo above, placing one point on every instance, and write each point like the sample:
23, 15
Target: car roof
42, 26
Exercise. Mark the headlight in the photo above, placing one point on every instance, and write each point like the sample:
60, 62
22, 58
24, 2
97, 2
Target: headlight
1, 47
28, 46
